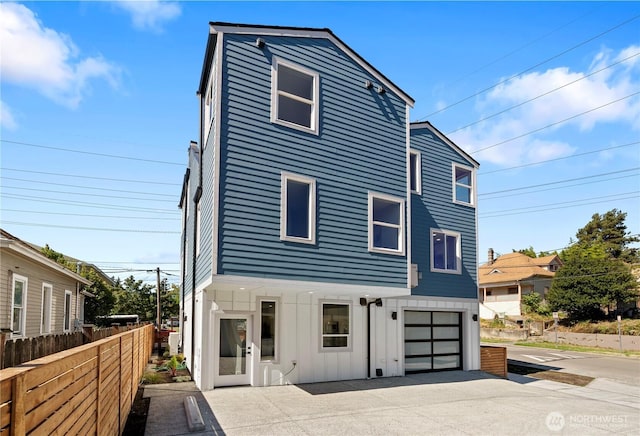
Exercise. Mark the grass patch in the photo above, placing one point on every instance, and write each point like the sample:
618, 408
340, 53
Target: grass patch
151, 378
568, 347
496, 340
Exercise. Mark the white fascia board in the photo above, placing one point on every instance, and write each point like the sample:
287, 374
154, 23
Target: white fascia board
261, 284
43, 260
314, 33
449, 142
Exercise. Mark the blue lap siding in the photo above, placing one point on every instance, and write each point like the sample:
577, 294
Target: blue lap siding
434, 209
360, 147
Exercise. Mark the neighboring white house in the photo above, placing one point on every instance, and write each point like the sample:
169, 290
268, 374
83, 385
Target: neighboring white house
37, 295
503, 282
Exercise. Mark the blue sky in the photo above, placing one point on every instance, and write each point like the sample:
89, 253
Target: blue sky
98, 105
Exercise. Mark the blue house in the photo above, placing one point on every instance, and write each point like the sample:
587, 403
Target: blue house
325, 237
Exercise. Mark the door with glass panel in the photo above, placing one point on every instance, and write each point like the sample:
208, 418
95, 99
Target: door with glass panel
233, 350
432, 341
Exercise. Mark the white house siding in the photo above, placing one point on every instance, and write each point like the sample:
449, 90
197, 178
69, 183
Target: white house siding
299, 336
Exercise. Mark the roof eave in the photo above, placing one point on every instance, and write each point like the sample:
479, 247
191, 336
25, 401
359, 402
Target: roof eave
444, 138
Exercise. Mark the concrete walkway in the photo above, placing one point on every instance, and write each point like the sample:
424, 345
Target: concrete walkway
465, 403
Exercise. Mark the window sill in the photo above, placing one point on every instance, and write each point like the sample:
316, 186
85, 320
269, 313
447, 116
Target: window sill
462, 203
313, 131
298, 240
386, 251
446, 271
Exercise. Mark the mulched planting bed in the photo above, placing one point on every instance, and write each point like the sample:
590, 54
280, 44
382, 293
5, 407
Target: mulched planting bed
562, 377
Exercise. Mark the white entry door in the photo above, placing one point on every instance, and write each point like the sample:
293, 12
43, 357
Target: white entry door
233, 350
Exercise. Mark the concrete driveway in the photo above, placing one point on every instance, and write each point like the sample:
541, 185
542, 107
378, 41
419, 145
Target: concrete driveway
471, 403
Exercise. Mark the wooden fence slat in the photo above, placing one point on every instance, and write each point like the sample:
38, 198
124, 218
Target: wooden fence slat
86, 390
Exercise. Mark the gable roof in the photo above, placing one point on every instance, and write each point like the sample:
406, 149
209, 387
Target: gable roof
445, 139
8, 241
216, 28
511, 267
547, 260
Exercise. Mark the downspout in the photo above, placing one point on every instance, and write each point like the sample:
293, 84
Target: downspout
377, 302
196, 199
184, 256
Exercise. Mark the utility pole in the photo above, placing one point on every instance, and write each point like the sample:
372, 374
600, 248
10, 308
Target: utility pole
158, 314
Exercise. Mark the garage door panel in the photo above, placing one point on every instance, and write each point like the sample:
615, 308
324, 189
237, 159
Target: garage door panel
446, 332
446, 362
417, 348
416, 333
432, 341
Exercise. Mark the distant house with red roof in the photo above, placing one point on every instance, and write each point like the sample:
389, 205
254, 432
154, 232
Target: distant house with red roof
504, 280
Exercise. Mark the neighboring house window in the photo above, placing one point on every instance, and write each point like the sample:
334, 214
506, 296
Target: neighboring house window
298, 209
445, 252
295, 95
415, 165
386, 224
18, 305
463, 185
336, 326
45, 324
67, 311
268, 330
512, 291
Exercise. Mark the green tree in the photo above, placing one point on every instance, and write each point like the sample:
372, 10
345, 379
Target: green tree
610, 230
104, 300
532, 253
589, 280
170, 300
135, 298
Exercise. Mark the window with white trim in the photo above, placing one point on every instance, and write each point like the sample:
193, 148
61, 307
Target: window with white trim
18, 305
386, 224
295, 95
336, 326
415, 165
463, 185
67, 311
298, 209
446, 254
269, 330
45, 322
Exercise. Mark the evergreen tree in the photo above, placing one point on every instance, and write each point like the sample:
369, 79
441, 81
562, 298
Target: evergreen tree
610, 230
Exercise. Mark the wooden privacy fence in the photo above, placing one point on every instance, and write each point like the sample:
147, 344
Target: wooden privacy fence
85, 390
494, 360
17, 351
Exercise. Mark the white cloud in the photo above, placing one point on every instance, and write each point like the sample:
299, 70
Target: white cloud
7, 120
585, 94
40, 58
150, 14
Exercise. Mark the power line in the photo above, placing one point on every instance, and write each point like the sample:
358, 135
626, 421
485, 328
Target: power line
85, 187
79, 176
559, 181
102, 229
532, 67
556, 208
520, 48
561, 187
86, 194
86, 204
541, 95
493, 213
559, 158
91, 215
554, 124
69, 150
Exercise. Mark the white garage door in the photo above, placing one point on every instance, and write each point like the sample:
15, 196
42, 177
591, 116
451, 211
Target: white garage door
432, 341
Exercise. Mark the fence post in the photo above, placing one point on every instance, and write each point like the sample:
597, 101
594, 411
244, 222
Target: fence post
2, 342
18, 426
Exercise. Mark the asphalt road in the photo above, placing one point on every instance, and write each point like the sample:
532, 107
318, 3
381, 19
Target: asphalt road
621, 369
